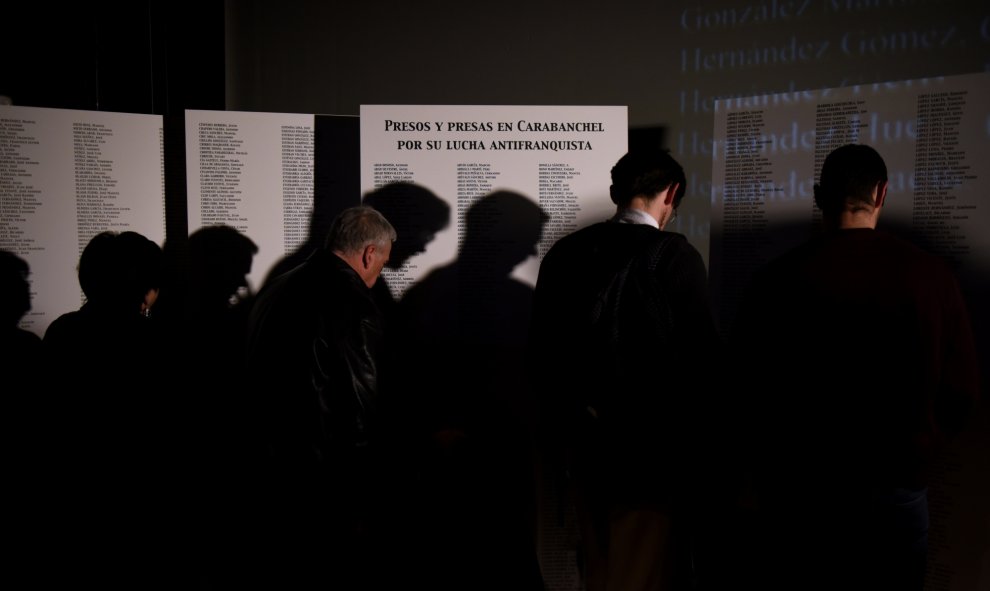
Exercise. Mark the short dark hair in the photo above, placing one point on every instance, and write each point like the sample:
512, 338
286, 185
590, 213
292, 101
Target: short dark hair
849, 175
118, 269
646, 172
357, 227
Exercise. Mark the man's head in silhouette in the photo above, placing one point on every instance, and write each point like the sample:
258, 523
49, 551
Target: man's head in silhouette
415, 213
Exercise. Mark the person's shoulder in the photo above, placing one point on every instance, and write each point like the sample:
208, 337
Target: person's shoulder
71, 334
677, 244
578, 236
275, 284
913, 260
672, 256
675, 240
571, 246
905, 247
608, 232
21, 338
63, 324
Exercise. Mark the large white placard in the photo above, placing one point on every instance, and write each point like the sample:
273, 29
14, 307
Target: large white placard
253, 172
65, 176
558, 157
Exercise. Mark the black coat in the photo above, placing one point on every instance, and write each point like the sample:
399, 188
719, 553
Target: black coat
313, 343
623, 347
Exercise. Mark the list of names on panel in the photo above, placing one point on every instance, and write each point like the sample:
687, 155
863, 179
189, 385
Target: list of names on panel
748, 180
837, 124
297, 183
19, 196
97, 196
474, 181
220, 168
558, 200
390, 172
386, 173
942, 174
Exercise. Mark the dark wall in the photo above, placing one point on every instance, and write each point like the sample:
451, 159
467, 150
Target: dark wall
153, 57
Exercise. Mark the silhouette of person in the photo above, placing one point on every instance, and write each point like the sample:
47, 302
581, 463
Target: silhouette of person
463, 329
19, 354
205, 307
859, 357
623, 347
112, 437
314, 342
417, 216
206, 310
19, 348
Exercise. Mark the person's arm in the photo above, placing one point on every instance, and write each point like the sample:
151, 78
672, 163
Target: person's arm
345, 374
958, 377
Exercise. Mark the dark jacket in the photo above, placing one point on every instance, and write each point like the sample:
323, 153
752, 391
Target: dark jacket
108, 437
313, 369
859, 356
622, 350
102, 368
313, 342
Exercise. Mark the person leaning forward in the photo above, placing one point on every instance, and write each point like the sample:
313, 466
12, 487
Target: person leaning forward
313, 347
622, 342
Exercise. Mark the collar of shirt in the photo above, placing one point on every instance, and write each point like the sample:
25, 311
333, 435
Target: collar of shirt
635, 216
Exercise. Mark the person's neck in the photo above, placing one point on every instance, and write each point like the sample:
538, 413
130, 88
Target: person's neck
651, 208
856, 220
635, 215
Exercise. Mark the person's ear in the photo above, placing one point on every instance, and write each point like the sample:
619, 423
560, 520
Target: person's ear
881, 194
671, 191
368, 256
149, 301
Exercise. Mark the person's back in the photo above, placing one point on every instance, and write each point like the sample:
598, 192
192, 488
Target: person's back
313, 345
861, 324
630, 317
860, 353
622, 336
96, 358
317, 302
109, 435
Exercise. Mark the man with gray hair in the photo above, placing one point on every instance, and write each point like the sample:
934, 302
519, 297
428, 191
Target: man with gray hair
313, 344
